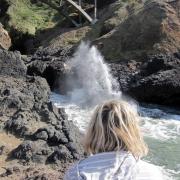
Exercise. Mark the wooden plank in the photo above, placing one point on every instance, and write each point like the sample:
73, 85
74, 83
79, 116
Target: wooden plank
60, 10
80, 10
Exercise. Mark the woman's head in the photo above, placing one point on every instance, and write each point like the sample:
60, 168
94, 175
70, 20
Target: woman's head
115, 126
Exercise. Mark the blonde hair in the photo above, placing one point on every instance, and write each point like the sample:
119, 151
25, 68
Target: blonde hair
115, 126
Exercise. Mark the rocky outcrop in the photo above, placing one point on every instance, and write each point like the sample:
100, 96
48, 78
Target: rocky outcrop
157, 80
50, 64
25, 111
141, 30
11, 64
5, 40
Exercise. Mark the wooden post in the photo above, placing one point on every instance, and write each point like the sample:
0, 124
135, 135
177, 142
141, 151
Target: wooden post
80, 17
95, 10
60, 3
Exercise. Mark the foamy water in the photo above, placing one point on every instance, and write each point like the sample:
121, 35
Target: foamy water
92, 83
161, 131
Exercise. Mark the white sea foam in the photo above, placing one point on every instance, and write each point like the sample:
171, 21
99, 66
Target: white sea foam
162, 129
160, 124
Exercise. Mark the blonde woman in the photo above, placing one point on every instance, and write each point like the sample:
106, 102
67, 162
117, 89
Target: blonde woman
115, 145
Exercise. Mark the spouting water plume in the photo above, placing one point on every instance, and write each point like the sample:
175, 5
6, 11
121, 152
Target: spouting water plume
92, 81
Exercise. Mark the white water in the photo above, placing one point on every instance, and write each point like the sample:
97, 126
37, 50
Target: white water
93, 83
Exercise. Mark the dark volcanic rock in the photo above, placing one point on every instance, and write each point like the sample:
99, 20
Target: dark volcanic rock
156, 80
161, 88
26, 112
36, 151
50, 64
51, 135
11, 64
61, 154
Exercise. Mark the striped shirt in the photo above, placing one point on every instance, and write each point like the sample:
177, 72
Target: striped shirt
113, 165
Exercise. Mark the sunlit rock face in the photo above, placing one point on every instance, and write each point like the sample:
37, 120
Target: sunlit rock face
5, 40
149, 28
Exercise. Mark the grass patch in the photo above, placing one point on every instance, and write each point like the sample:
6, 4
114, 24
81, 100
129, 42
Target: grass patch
30, 17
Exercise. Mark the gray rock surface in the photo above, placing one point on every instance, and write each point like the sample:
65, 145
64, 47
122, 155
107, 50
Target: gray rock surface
50, 64
156, 80
11, 64
26, 112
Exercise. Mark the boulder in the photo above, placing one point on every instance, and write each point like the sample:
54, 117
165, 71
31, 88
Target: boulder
5, 40
156, 80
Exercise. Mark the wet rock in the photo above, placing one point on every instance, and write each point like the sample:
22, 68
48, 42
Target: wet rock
154, 80
161, 88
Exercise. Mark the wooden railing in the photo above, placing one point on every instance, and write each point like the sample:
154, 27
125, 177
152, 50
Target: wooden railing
60, 8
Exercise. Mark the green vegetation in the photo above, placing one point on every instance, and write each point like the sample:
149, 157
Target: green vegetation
28, 17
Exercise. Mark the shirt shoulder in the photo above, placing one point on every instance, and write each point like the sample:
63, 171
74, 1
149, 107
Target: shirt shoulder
71, 173
147, 171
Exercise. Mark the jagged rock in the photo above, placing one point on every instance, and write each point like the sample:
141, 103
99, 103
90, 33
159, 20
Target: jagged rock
61, 154
161, 87
39, 151
51, 135
26, 112
11, 64
7, 173
156, 80
5, 40
36, 151
50, 65
41, 135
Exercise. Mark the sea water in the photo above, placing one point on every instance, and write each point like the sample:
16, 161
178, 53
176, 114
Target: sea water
93, 83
